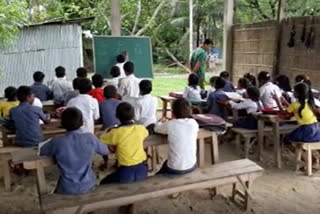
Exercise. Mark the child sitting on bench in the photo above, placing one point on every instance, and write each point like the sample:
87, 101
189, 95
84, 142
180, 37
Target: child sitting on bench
193, 91
26, 119
73, 153
10, 94
97, 92
126, 141
182, 134
248, 108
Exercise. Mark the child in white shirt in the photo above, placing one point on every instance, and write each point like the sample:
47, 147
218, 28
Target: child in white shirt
60, 85
267, 88
250, 106
129, 85
121, 60
86, 104
182, 134
192, 91
243, 84
146, 106
212, 84
115, 74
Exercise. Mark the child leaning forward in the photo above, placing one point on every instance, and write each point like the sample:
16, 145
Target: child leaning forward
127, 142
73, 153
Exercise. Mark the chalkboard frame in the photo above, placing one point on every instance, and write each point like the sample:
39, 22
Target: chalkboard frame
137, 37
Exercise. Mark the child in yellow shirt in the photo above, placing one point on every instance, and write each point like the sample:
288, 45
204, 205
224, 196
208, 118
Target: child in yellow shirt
127, 142
10, 94
304, 112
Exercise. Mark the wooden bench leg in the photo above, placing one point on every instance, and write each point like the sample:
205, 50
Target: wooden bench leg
298, 157
201, 160
6, 175
260, 138
234, 188
309, 161
214, 149
154, 157
238, 143
246, 147
247, 201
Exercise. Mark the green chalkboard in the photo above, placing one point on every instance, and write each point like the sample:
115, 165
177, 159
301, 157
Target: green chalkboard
106, 49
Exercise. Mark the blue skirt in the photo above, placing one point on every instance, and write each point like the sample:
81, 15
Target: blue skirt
127, 174
304, 133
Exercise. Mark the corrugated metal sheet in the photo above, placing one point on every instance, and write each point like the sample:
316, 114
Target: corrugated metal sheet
41, 48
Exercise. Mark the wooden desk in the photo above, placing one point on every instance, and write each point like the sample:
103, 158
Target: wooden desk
49, 106
165, 101
275, 121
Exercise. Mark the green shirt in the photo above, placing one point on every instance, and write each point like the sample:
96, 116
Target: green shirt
199, 55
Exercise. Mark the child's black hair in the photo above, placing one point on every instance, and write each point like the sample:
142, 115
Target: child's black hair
243, 83
193, 80
84, 85
253, 93
251, 78
225, 75
110, 92
302, 93
283, 82
145, 87
213, 80
23, 93
121, 58
82, 72
219, 83
264, 77
302, 78
75, 83
10, 93
181, 108
208, 42
60, 71
97, 80
128, 68
38, 76
115, 71
125, 112
71, 119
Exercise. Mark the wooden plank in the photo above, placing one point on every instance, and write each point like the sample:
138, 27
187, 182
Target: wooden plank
119, 194
312, 146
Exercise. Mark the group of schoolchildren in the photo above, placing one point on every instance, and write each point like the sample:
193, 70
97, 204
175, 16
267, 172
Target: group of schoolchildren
128, 114
262, 94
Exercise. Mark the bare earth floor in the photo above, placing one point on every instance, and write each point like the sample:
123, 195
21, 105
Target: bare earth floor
276, 192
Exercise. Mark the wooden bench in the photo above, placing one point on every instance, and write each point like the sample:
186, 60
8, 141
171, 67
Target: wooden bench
250, 137
308, 147
5, 160
241, 172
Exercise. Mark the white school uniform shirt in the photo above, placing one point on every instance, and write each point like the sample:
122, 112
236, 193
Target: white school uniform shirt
89, 108
129, 86
113, 81
191, 93
145, 110
120, 66
249, 105
242, 92
60, 86
266, 92
182, 138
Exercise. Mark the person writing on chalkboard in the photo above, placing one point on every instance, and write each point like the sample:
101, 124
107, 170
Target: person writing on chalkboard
121, 60
129, 86
199, 59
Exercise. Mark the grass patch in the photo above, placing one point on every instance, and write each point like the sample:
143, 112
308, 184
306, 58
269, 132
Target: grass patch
163, 86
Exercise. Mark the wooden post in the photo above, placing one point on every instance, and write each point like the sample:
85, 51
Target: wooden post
282, 11
115, 18
227, 35
190, 27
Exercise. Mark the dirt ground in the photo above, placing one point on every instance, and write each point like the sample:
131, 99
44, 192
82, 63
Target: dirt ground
277, 191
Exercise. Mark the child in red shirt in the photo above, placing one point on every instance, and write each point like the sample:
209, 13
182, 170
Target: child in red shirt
97, 92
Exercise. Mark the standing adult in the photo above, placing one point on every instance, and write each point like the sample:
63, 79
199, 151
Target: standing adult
198, 61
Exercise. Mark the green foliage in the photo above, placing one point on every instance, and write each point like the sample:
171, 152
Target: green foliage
13, 15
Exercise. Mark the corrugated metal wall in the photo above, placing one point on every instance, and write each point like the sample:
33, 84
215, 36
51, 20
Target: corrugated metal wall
41, 48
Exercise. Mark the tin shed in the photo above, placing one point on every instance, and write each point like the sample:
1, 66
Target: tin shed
41, 47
